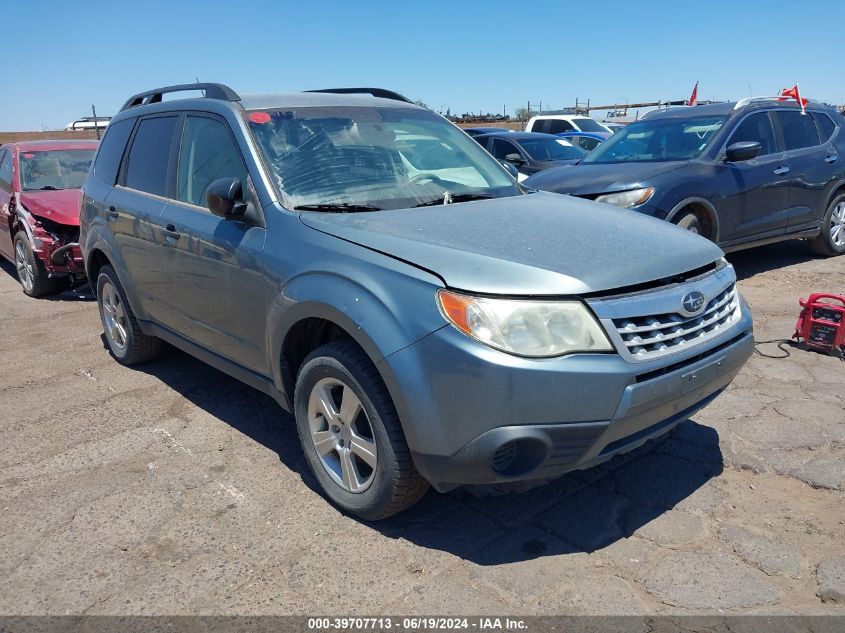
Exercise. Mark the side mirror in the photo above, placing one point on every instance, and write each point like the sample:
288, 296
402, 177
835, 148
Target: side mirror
226, 198
514, 159
744, 150
510, 168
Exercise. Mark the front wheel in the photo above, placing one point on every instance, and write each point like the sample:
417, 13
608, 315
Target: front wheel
34, 278
692, 223
351, 434
831, 240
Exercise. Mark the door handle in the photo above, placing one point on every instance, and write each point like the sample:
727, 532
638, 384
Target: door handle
112, 214
831, 158
171, 233
781, 170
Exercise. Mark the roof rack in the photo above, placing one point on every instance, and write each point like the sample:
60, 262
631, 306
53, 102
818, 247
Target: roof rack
212, 91
382, 93
746, 100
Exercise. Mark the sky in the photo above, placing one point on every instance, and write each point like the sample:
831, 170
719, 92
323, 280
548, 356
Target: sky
463, 56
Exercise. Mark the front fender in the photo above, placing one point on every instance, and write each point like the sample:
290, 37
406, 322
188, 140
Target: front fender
380, 321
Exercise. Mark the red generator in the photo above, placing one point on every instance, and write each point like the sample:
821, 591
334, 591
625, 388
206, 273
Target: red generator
822, 323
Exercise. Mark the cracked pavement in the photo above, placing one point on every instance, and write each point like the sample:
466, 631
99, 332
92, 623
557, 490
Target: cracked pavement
173, 489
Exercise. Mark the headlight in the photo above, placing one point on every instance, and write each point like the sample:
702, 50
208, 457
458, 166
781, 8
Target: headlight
627, 199
523, 327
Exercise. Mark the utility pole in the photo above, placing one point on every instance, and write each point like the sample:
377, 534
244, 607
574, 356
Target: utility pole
96, 126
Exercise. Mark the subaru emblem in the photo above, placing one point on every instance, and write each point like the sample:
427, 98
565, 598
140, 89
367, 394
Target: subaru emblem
693, 302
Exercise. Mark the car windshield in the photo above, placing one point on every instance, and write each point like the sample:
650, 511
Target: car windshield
658, 140
360, 158
551, 149
588, 125
54, 169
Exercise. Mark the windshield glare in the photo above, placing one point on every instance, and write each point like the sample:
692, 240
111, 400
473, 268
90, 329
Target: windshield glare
658, 140
386, 158
551, 149
54, 169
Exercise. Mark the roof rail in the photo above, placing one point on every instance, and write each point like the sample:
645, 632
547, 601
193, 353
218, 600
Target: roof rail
746, 100
382, 93
212, 91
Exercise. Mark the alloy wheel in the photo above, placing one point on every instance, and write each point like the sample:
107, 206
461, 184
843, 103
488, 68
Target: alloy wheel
342, 435
837, 225
25, 268
114, 317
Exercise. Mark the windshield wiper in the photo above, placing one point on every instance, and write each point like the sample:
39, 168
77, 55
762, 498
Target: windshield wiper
455, 197
337, 207
50, 188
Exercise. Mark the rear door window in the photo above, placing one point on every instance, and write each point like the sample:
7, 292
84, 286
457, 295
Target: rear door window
541, 125
147, 163
756, 127
207, 153
798, 130
556, 126
111, 149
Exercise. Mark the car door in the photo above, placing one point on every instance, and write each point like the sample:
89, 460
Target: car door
755, 193
809, 169
6, 247
218, 293
134, 208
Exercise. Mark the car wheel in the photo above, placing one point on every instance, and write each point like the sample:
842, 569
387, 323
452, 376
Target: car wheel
351, 434
692, 223
34, 278
831, 240
127, 343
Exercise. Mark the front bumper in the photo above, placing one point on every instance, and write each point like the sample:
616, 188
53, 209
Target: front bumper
473, 415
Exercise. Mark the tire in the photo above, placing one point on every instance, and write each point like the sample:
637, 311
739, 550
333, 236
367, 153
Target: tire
342, 404
692, 223
127, 343
34, 278
831, 240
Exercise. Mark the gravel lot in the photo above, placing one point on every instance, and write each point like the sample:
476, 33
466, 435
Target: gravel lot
173, 489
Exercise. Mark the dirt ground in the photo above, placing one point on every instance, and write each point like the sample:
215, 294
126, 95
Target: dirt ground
173, 489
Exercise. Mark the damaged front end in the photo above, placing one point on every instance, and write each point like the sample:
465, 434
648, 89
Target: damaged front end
55, 244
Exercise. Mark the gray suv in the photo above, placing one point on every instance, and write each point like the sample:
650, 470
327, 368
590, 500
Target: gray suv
425, 318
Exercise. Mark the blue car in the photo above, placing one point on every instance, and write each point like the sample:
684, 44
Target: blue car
741, 174
588, 141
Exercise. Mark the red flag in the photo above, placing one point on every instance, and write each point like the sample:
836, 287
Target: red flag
694, 96
793, 93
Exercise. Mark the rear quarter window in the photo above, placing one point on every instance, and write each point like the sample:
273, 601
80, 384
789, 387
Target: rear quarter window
825, 125
107, 163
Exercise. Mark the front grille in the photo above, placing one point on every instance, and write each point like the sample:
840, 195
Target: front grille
653, 336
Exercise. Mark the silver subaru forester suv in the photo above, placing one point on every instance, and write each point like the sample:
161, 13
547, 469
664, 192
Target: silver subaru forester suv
425, 318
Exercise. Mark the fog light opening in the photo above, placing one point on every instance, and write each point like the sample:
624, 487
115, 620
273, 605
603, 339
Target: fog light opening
518, 457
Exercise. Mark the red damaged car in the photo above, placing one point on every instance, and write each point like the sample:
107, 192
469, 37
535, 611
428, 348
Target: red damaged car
39, 211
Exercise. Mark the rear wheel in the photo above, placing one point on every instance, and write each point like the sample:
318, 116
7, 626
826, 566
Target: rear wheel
34, 278
127, 343
691, 222
351, 435
831, 240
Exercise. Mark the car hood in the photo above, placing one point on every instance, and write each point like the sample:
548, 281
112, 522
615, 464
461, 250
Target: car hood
537, 244
59, 206
587, 179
